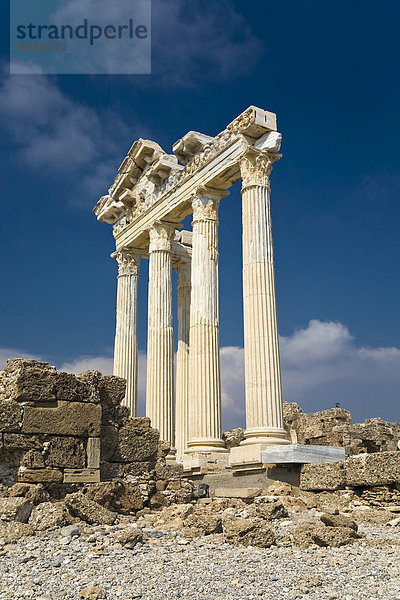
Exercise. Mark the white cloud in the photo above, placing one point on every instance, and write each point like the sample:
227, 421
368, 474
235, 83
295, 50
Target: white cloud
6, 353
321, 365
63, 136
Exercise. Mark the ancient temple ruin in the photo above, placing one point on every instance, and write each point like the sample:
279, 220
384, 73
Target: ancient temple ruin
152, 193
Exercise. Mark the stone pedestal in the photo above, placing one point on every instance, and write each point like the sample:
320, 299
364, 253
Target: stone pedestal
182, 359
264, 417
160, 350
125, 349
205, 385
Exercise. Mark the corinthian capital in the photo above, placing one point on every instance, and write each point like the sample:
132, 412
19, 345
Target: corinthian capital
128, 261
205, 202
256, 167
161, 235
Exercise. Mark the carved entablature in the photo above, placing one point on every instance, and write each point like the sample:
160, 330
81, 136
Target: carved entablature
192, 143
149, 181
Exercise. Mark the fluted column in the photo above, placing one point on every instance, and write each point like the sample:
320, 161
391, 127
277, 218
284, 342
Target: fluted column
264, 418
125, 348
204, 361
160, 350
182, 359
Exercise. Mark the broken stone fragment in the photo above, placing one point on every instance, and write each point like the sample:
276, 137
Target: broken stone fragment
15, 509
112, 390
248, 532
116, 496
88, 510
48, 515
29, 380
31, 492
339, 521
12, 532
137, 442
71, 389
307, 535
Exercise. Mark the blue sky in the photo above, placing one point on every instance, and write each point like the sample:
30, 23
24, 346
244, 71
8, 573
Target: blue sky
329, 69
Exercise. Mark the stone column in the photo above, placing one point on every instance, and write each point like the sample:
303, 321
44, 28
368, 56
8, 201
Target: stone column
182, 359
160, 349
204, 361
264, 418
125, 348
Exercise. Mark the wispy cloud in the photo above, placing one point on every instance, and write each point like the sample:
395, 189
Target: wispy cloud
65, 137
321, 365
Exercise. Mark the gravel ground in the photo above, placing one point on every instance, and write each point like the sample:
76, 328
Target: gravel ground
53, 566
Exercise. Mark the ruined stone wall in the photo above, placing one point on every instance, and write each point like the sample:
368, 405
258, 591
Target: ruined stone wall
58, 428
333, 427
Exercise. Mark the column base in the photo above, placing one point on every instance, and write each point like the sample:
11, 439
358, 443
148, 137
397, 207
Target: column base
265, 435
199, 445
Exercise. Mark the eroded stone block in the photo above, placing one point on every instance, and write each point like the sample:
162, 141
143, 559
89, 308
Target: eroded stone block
29, 380
321, 477
379, 468
66, 418
40, 475
81, 475
10, 416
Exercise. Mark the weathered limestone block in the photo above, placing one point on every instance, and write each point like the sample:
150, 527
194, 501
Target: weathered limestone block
81, 475
93, 453
66, 418
15, 509
108, 442
112, 390
112, 470
137, 442
33, 459
71, 389
65, 452
15, 442
10, 415
40, 475
48, 515
321, 477
115, 415
383, 495
88, 510
380, 468
33, 493
248, 532
29, 380
92, 381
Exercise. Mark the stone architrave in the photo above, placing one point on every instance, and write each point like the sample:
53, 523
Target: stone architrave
183, 269
126, 347
205, 384
160, 349
264, 415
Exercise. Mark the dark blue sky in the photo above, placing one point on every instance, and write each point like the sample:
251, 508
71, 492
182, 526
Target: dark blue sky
329, 69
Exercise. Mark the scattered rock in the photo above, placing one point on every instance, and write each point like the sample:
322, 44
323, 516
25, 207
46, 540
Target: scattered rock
48, 515
88, 510
306, 535
248, 532
116, 496
12, 532
204, 521
15, 509
270, 508
34, 493
372, 515
130, 537
93, 593
339, 521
